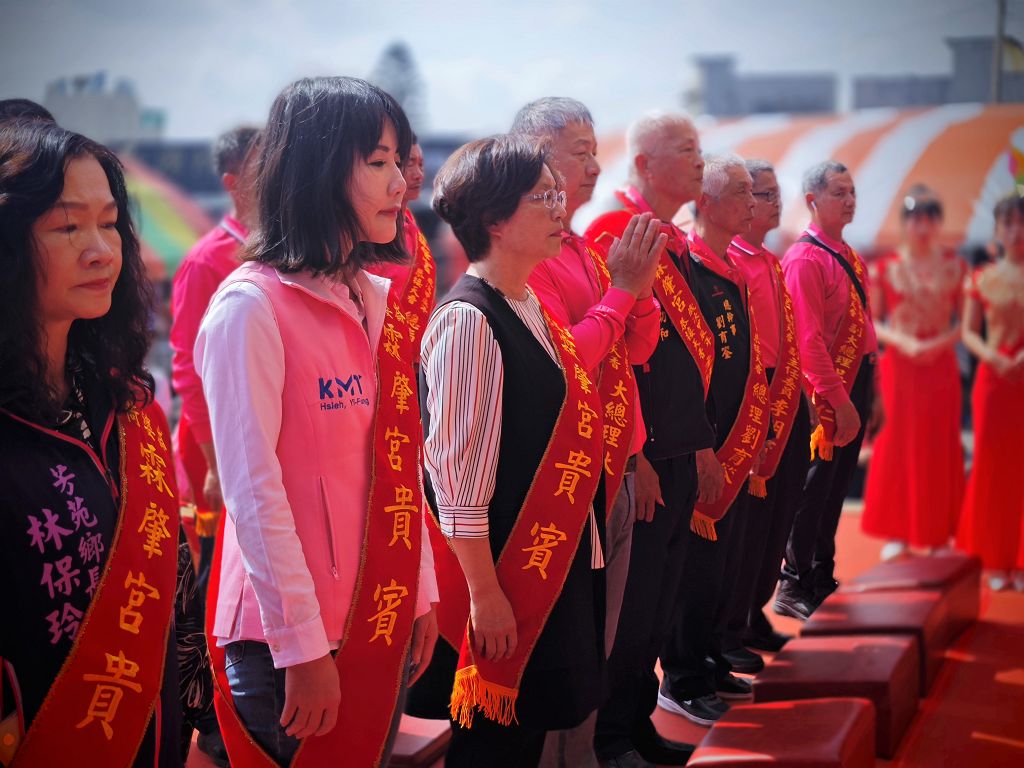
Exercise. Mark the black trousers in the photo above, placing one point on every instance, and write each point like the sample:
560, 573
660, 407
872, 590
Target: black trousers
811, 552
497, 746
771, 518
648, 606
691, 656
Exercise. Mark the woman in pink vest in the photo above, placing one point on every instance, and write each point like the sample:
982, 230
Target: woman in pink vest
301, 362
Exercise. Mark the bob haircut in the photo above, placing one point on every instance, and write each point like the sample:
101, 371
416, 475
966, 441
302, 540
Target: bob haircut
108, 350
317, 130
482, 184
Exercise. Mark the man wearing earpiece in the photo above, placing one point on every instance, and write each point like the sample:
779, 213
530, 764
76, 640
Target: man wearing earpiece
826, 279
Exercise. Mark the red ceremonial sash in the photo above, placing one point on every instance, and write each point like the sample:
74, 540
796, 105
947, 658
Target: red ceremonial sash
617, 392
99, 707
785, 391
671, 288
535, 559
378, 629
747, 436
416, 296
846, 359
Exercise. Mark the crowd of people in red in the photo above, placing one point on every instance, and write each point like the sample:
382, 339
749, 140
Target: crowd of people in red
501, 507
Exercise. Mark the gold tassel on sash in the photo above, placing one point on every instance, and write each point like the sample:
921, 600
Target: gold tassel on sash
472, 692
820, 444
703, 526
758, 486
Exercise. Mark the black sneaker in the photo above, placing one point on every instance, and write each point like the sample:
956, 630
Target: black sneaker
732, 687
212, 745
793, 600
744, 661
824, 585
655, 748
702, 710
770, 641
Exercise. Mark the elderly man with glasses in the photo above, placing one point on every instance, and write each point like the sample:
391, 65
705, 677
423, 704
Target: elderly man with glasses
613, 317
779, 478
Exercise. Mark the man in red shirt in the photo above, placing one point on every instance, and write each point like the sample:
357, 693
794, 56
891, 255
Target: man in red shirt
771, 517
820, 271
572, 288
210, 260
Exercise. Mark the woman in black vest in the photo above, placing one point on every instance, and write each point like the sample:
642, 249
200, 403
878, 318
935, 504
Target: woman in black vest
493, 390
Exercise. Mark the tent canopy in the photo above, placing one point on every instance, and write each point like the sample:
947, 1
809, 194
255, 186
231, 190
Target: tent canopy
971, 154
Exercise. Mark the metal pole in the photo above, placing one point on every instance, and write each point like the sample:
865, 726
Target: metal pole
997, 52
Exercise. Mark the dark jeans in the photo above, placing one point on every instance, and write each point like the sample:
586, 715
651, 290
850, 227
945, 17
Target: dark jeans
257, 689
652, 589
496, 746
691, 657
811, 552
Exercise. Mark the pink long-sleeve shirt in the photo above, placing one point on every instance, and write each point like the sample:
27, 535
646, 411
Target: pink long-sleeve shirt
821, 290
757, 265
212, 258
293, 538
569, 286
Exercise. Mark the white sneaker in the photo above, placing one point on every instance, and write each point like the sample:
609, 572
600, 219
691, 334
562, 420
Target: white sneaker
892, 549
998, 581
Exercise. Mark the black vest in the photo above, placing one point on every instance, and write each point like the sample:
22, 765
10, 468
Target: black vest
672, 394
563, 681
722, 303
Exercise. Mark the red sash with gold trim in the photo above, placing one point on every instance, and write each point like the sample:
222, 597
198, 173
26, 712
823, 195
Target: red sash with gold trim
671, 288
785, 391
416, 297
846, 354
747, 436
617, 392
378, 629
99, 707
535, 560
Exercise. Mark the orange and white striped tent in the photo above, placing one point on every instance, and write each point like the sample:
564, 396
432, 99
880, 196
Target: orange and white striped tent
971, 154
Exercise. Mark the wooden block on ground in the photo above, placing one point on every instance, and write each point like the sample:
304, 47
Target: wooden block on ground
918, 613
812, 733
420, 742
956, 575
884, 669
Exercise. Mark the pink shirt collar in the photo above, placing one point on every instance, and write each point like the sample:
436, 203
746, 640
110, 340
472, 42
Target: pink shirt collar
835, 245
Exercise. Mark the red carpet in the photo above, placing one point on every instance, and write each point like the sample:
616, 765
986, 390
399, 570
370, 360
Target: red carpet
974, 715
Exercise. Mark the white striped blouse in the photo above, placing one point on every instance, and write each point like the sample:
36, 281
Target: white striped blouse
465, 379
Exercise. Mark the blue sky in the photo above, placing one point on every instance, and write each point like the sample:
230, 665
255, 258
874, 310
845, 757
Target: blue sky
210, 65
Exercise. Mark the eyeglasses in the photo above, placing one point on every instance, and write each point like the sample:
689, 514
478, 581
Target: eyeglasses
550, 198
769, 196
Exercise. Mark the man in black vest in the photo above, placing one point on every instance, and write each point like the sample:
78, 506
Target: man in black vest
697, 677
665, 173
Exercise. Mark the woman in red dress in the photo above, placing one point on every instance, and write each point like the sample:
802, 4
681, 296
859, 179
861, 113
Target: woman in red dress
992, 523
915, 480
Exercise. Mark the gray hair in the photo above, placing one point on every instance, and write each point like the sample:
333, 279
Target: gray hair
643, 134
549, 116
757, 166
816, 177
716, 171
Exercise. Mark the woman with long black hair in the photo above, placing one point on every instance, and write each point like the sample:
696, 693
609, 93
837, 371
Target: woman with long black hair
88, 507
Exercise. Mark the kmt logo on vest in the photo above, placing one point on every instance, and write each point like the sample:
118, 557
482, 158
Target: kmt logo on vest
337, 393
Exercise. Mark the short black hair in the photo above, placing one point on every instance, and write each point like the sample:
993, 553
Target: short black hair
231, 147
1007, 205
318, 128
111, 349
921, 200
24, 109
482, 184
